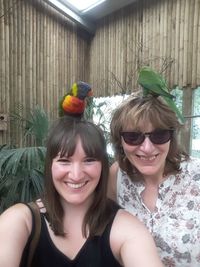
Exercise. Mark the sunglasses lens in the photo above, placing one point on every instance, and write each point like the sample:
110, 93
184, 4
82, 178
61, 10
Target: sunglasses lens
133, 138
160, 136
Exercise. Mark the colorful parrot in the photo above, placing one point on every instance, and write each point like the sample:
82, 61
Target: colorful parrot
153, 83
74, 102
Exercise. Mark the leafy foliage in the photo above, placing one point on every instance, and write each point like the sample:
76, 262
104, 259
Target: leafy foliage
95, 111
34, 125
21, 169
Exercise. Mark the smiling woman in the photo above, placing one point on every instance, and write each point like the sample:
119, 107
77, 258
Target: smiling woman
75, 154
80, 226
155, 179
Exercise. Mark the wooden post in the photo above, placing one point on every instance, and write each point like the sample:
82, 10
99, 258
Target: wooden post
187, 111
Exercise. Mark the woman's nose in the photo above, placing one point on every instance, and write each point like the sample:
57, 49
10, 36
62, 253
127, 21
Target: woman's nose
76, 171
147, 145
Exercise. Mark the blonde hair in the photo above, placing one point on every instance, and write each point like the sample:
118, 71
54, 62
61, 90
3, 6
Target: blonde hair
133, 113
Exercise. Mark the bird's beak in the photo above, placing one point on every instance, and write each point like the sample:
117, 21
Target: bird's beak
90, 93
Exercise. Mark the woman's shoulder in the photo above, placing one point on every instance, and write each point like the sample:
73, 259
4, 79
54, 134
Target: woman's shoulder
15, 229
18, 215
129, 232
191, 165
190, 171
127, 219
129, 224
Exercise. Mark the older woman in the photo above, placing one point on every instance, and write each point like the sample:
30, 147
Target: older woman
155, 180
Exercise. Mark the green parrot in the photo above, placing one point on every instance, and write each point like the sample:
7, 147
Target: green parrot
153, 83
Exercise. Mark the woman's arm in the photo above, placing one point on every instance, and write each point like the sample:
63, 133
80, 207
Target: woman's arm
15, 228
112, 182
131, 242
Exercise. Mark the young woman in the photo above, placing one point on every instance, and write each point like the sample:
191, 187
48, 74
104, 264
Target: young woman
80, 226
155, 180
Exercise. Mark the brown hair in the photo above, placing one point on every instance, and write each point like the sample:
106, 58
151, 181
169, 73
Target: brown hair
62, 139
136, 110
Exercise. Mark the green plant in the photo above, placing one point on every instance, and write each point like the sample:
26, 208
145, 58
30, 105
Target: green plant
34, 125
99, 112
21, 168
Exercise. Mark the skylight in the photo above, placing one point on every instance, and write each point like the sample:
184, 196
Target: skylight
84, 6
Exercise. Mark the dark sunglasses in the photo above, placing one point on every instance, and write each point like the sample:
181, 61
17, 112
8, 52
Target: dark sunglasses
158, 137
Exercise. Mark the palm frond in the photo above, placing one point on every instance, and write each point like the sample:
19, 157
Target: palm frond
37, 125
21, 169
24, 186
13, 160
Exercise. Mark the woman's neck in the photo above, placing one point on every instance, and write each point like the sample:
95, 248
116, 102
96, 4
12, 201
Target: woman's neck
76, 212
153, 180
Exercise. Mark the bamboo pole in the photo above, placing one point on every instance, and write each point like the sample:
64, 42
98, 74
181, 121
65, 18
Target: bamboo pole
186, 30
2, 69
194, 42
7, 65
177, 38
172, 37
34, 57
197, 83
182, 44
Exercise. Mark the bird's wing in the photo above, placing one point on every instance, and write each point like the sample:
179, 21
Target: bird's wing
153, 83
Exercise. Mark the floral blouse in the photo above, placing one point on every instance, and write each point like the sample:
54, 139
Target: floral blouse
175, 223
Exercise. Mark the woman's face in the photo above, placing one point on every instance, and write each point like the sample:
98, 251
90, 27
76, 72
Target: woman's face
148, 158
76, 177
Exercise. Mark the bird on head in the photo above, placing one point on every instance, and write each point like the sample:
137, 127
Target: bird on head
74, 102
154, 84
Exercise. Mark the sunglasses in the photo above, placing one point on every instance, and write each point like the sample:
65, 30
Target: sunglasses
158, 137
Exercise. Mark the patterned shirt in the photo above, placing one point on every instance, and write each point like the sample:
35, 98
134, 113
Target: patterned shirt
175, 222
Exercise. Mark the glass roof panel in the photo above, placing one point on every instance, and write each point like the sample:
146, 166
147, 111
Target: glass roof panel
84, 5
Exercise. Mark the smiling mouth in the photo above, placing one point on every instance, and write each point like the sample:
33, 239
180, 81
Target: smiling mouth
152, 158
76, 186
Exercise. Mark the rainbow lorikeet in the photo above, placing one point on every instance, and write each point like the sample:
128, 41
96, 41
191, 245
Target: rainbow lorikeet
74, 102
154, 84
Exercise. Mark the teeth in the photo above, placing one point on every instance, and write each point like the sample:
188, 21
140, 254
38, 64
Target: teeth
76, 186
147, 158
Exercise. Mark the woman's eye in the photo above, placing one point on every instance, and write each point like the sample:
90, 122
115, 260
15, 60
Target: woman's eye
90, 160
64, 160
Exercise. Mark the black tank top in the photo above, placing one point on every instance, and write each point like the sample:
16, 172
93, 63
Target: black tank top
95, 252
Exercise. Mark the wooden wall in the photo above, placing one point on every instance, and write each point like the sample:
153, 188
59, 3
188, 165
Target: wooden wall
162, 33
41, 54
